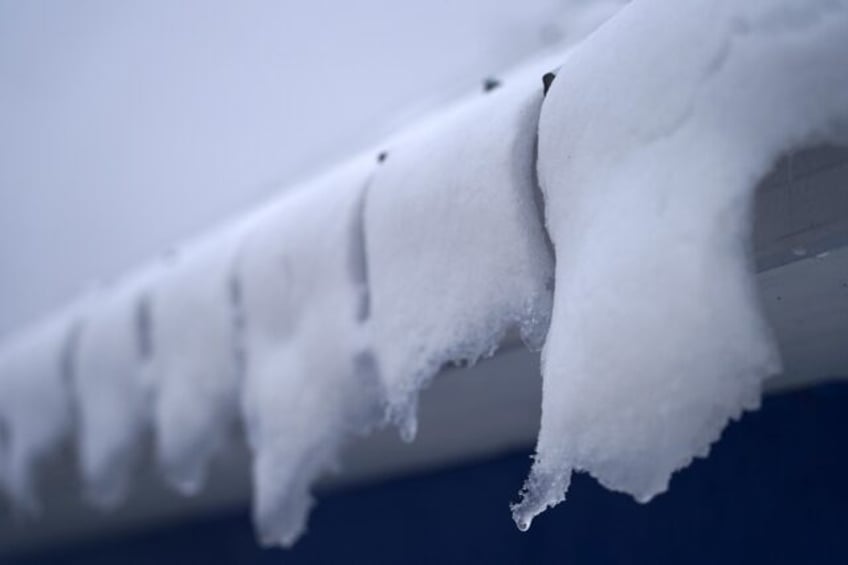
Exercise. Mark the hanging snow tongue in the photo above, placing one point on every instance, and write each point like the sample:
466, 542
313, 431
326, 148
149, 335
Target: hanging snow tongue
193, 375
113, 407
36, 410
457, 253
652, 141
310, 379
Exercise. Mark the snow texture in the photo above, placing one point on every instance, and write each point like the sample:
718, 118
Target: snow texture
35, 403
310, 378
323, 315
652, 140
193, 375
457, 255
113, 408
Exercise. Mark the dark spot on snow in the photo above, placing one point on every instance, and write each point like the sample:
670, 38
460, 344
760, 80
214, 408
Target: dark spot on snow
4, 437
490, 83
460, 363
239, 322
235, 295
370, 385
144, 328
366, 367
358, 258
171, 255
67, 361
547, 81
539, 200
381, 157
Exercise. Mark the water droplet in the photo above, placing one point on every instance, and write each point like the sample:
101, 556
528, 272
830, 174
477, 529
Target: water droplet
409, 429
523, 523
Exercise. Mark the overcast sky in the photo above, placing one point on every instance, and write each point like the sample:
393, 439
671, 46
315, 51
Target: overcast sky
126, 126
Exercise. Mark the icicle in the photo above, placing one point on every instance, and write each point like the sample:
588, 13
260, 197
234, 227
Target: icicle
114, 345
652, 140
456, 251
193, 375
310, 380
35, 402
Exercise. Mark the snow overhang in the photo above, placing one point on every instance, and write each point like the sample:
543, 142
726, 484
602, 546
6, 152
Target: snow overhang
382, 280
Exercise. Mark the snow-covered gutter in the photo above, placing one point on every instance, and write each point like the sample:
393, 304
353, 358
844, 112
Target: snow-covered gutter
322, 316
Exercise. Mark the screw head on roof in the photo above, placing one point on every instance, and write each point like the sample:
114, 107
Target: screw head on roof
547, 81
490, 83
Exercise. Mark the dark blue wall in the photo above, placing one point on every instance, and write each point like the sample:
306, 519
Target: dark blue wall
774, 490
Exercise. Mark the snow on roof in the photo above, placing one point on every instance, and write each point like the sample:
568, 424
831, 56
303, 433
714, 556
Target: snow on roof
649, 198
321, 316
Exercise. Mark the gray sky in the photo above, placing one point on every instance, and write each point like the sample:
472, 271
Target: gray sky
126, 126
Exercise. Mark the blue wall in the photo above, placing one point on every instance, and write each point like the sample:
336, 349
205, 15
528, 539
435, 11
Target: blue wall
774, 490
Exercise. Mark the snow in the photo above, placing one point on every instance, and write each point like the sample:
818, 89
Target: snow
310, 379
456, 251
652, 140
35, 403
113, 408
193, 374
325, 313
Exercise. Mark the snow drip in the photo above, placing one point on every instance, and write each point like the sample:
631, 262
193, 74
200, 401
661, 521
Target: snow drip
652, 140
310, 378
457, 254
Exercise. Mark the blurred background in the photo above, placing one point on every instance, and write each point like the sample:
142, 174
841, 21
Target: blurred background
126, 127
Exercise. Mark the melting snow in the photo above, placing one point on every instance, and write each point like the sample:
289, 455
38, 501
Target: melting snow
456, 252
112, 404
310, 379
35, 407
193, 373
326, 312
649, 154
